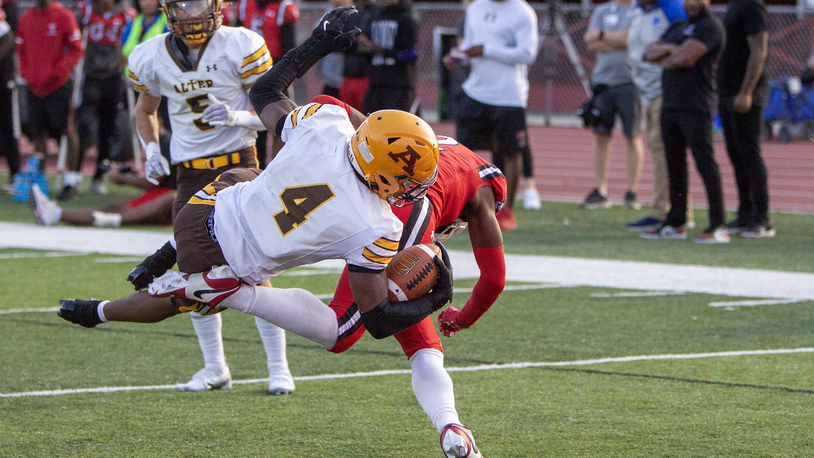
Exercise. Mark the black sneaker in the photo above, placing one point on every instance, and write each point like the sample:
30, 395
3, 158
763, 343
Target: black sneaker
755, 231
595, 200
80, 312
736, 226
631, 201
68, 193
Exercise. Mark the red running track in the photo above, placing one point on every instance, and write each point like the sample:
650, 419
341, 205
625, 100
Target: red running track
563, 168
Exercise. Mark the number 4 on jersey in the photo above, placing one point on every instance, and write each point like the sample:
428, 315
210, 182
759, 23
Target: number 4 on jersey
299, 202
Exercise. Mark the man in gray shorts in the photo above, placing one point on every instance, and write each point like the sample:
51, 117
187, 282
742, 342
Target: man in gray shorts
614, 93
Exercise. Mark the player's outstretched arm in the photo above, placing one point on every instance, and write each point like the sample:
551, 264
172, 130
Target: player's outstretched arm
487, 245
268, 93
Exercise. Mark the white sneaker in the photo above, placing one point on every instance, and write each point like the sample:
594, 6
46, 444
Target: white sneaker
281, 383
531, 200
98, 187
46, 211
457, 442
209, 380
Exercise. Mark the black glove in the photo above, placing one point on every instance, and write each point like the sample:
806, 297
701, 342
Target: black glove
153, 266
332, 25
442, 291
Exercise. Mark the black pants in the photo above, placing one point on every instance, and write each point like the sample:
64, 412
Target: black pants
8, 144
742, 133
679, 130
101, 101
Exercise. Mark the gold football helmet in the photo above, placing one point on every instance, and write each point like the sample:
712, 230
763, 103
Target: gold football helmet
396, 153
193, 20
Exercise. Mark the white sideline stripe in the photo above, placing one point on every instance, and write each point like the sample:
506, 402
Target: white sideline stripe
51, 309
625, 275
645, 294
753, 303
484, 367
49, 254
114, 260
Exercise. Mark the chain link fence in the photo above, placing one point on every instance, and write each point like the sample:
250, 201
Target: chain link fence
559, 78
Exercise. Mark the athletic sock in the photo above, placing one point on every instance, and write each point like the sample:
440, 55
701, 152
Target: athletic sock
273, 339
293, 309
208, 329
433, 388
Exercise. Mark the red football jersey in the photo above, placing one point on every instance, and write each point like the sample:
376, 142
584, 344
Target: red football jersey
269, 21
105, 29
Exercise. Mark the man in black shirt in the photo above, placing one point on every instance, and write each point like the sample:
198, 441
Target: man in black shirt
392, 40
688, 52
743, 92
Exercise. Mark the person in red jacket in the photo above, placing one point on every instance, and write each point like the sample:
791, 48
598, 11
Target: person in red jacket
49, 46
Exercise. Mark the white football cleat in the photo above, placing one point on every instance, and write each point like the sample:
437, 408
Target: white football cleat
46, 211
281, 383
208, 287
457, 442
206, 379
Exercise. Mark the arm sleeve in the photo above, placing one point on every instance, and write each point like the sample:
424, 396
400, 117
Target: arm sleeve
141, 74
73, 44
492, 264
525, 50
389, 318
710, 34
255, 58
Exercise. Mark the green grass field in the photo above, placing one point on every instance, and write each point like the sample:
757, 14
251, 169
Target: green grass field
747, 404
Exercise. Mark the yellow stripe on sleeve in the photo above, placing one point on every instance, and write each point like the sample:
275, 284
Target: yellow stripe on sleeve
294, 115
255, 55
311, 110
392, 245
140, 88
371, 256
259, 69
198, 200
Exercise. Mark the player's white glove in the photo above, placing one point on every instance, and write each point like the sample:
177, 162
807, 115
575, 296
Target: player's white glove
219, 113
157, 165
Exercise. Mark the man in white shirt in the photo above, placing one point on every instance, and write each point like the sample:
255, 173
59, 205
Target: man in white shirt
500, 40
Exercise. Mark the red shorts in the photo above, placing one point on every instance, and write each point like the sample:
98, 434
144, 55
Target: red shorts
148, 197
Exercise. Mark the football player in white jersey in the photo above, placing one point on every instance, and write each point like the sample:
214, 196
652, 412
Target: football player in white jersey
205, 70
325, 196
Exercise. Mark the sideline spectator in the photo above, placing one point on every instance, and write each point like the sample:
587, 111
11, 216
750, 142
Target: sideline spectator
150, 22
356, 72
12, 12
688, 53
8, 143
391, 37
153, 206
651, 19
743, 92
500, 40
614, 93
102, 86
49, 46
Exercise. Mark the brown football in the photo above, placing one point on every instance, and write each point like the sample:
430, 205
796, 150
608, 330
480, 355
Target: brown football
412, 272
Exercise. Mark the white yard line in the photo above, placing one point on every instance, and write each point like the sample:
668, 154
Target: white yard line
484, 367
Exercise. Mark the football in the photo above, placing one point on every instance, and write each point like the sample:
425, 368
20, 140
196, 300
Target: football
412, 272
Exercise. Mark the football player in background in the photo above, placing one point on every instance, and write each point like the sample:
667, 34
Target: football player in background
205, 70
325, 196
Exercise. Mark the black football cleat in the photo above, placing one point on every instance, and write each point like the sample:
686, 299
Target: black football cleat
79, 312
